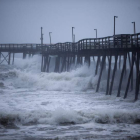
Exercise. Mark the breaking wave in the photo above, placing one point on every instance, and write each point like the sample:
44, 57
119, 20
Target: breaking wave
27, 75
62, 116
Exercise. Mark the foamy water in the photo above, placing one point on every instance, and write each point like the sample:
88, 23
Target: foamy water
35, 105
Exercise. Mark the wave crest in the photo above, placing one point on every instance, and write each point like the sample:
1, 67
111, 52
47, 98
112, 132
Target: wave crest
62, 116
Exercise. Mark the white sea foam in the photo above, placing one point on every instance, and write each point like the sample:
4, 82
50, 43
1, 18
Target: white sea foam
69, 116
63, 103
27, 75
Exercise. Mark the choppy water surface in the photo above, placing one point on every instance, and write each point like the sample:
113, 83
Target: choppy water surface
35, 105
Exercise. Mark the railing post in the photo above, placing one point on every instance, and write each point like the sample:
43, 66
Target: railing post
137, 40
105, 43
131, 41
121, 42
94, 44
13, 58
9, 58
108, 42
102, 43
99, 43
90, 43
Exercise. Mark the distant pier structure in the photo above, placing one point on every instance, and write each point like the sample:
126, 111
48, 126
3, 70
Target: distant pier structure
121, 49
12, 49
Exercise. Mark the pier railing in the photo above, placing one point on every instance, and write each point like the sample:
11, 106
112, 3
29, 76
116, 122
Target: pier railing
110, 42
18, 47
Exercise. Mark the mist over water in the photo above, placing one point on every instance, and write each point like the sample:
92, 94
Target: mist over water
36, 105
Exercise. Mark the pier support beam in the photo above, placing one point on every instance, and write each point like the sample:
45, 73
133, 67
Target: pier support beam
103, 62
130, 74
97, 65
48, 64
108, 77
13, 58
137, 76
87, 60
113, 75
63, 67
122, 73
4, 58
57, 64
24, 55
73, 61
120, 62
45, 63
9, 59
68, 63
42, 63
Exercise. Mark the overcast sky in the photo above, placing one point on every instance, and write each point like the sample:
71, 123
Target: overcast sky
20, 20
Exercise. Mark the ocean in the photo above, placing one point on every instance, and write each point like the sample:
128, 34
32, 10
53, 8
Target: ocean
63, 106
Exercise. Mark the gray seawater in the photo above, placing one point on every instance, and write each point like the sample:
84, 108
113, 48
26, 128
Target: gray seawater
62, 106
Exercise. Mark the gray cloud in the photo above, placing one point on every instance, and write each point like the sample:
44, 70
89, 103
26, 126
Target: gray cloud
20, 21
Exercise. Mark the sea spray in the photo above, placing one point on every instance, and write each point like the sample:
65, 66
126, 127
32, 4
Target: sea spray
27, 75
50, 105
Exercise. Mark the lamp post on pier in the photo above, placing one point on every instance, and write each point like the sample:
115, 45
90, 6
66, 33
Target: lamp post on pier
41, 37
134, 27
131, 56
114, 23
74, 38
96, 32
50, 37
72, 35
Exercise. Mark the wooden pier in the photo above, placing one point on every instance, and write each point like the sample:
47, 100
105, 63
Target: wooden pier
120, 47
